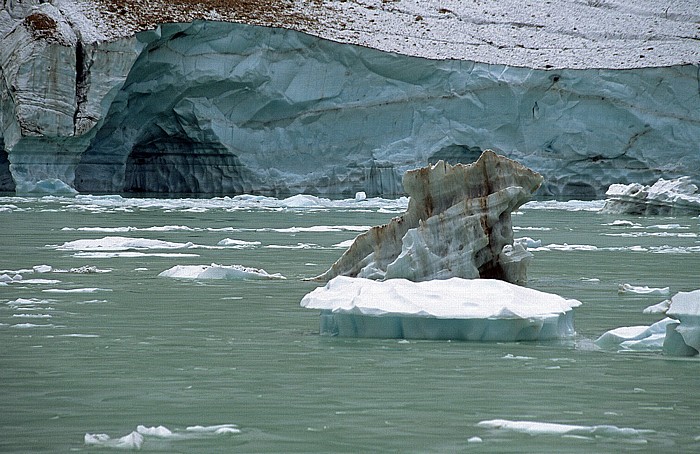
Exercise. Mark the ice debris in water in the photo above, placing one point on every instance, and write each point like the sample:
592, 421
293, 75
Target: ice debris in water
545, 428
459, 309
642, 290
668, 197
215, 271
676, 335
136, 439
119, 243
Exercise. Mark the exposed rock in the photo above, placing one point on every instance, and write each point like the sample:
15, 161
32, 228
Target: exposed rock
457, 225
665, 197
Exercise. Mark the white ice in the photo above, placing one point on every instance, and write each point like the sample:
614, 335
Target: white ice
215, 271
677, 335
119, 243
463, 309
642, 290
238, 244
545, 428
665, 197
136, 439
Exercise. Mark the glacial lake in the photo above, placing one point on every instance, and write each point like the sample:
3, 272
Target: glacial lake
101, 354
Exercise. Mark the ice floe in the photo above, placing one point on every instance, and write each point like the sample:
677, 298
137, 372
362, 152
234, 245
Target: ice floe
677, 335
642, 290
215, 271
460, 309
238, 244
144, 434
670, 197
77, 290
119, 243
546, 428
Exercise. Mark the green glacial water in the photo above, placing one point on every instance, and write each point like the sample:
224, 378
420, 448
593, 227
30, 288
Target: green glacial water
238, 366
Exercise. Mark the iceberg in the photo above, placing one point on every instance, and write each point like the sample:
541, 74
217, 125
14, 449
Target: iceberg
546, 428
642, 290
458, 224
215, 271
676, 335
455, 309
135, 440
665, 197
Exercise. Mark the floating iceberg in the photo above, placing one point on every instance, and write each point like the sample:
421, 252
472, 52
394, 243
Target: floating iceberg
669, 197
136, 439
546, 428
642, 290
120, 243
215, 271
457, 225
459, 309
677, 335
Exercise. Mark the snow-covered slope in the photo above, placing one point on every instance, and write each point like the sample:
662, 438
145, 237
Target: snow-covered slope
95, 96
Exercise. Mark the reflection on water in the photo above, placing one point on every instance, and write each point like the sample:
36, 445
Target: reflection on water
100, 351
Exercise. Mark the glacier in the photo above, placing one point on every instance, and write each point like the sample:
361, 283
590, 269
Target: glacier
451, 309
217, 107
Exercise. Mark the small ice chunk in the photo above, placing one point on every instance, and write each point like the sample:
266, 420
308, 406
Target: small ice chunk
42, 268
238, 244
344, 244
528, 242
361, 195
159, 431
215, 271
685, 307
132, 441
475, 440
635, 337
119, 243
659, 308
545, 428
642, 290
216, 429
77, 290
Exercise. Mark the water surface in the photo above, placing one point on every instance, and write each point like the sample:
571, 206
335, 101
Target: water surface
106, 351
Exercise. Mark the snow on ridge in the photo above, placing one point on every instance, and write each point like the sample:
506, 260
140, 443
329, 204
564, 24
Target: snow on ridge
544, 35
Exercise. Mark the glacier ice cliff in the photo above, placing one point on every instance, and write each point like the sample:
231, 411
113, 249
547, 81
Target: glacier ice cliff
458, 224
223, 107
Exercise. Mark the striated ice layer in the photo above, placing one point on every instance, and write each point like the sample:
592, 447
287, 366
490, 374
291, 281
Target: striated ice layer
458, 309
665, 197
215, 271
458, 224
